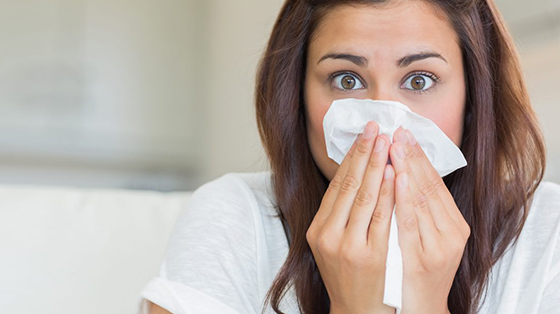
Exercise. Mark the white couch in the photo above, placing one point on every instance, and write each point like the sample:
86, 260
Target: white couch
74, 250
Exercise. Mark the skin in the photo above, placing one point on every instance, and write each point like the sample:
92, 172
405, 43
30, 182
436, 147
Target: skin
383, 35
348, 235
156, 309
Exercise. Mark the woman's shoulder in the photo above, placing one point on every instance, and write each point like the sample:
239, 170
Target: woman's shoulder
237, 191
544, 220
544, 213
234, 183
540, 236
229, 201
527, 273
216, 251
545, 208
548, 195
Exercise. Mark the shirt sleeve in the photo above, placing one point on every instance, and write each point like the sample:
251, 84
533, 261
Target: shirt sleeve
210, 260
550, 302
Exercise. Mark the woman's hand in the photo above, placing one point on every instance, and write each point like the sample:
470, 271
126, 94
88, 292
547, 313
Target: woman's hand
349, 234
432, 230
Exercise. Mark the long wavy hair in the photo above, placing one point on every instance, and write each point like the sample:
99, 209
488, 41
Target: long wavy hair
502, 143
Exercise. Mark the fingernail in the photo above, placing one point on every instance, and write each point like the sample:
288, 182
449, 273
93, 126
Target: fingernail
379, 145
403, 180
368, 131
358, 137
400, 152
401, 136
411, 138
388, 173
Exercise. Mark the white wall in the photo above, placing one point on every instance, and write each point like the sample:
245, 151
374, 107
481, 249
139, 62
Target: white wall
535, 26
100, 93
541, 65
237, 33
159, 95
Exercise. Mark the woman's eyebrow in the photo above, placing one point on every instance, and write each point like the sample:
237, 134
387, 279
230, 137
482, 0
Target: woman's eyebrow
407, 60
401, 63
358, 60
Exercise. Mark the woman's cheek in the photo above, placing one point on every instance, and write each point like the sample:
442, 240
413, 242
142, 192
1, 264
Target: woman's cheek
318, 128
317, 144
445, 109
450, 123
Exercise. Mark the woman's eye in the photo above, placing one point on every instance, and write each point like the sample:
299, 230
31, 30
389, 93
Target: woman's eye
418, 82
347, 82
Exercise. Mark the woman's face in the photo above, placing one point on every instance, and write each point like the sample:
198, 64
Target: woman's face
402, 51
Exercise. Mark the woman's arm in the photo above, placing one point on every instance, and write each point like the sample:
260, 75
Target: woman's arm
156, 309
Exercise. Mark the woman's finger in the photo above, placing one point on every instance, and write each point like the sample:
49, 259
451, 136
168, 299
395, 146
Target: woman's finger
413, 208
407, 222
338, 219
332, 191
367, 196
425, 185
379, 226
433, 176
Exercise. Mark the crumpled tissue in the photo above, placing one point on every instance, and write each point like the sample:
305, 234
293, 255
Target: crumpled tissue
346, 118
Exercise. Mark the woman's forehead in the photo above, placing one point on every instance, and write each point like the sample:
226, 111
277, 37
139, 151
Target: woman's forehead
383, 32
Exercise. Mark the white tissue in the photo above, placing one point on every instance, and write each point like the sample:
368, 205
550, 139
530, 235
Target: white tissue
346, 118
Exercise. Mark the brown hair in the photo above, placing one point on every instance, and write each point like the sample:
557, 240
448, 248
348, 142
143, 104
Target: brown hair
502, 143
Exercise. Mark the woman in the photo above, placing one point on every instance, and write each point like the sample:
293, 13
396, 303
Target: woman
484, 239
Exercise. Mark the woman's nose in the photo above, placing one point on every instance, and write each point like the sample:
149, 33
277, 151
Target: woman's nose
381, 94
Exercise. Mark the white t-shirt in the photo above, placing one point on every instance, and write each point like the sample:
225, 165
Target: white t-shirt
227, 246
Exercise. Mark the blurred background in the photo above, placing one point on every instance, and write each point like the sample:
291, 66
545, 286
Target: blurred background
158, 95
